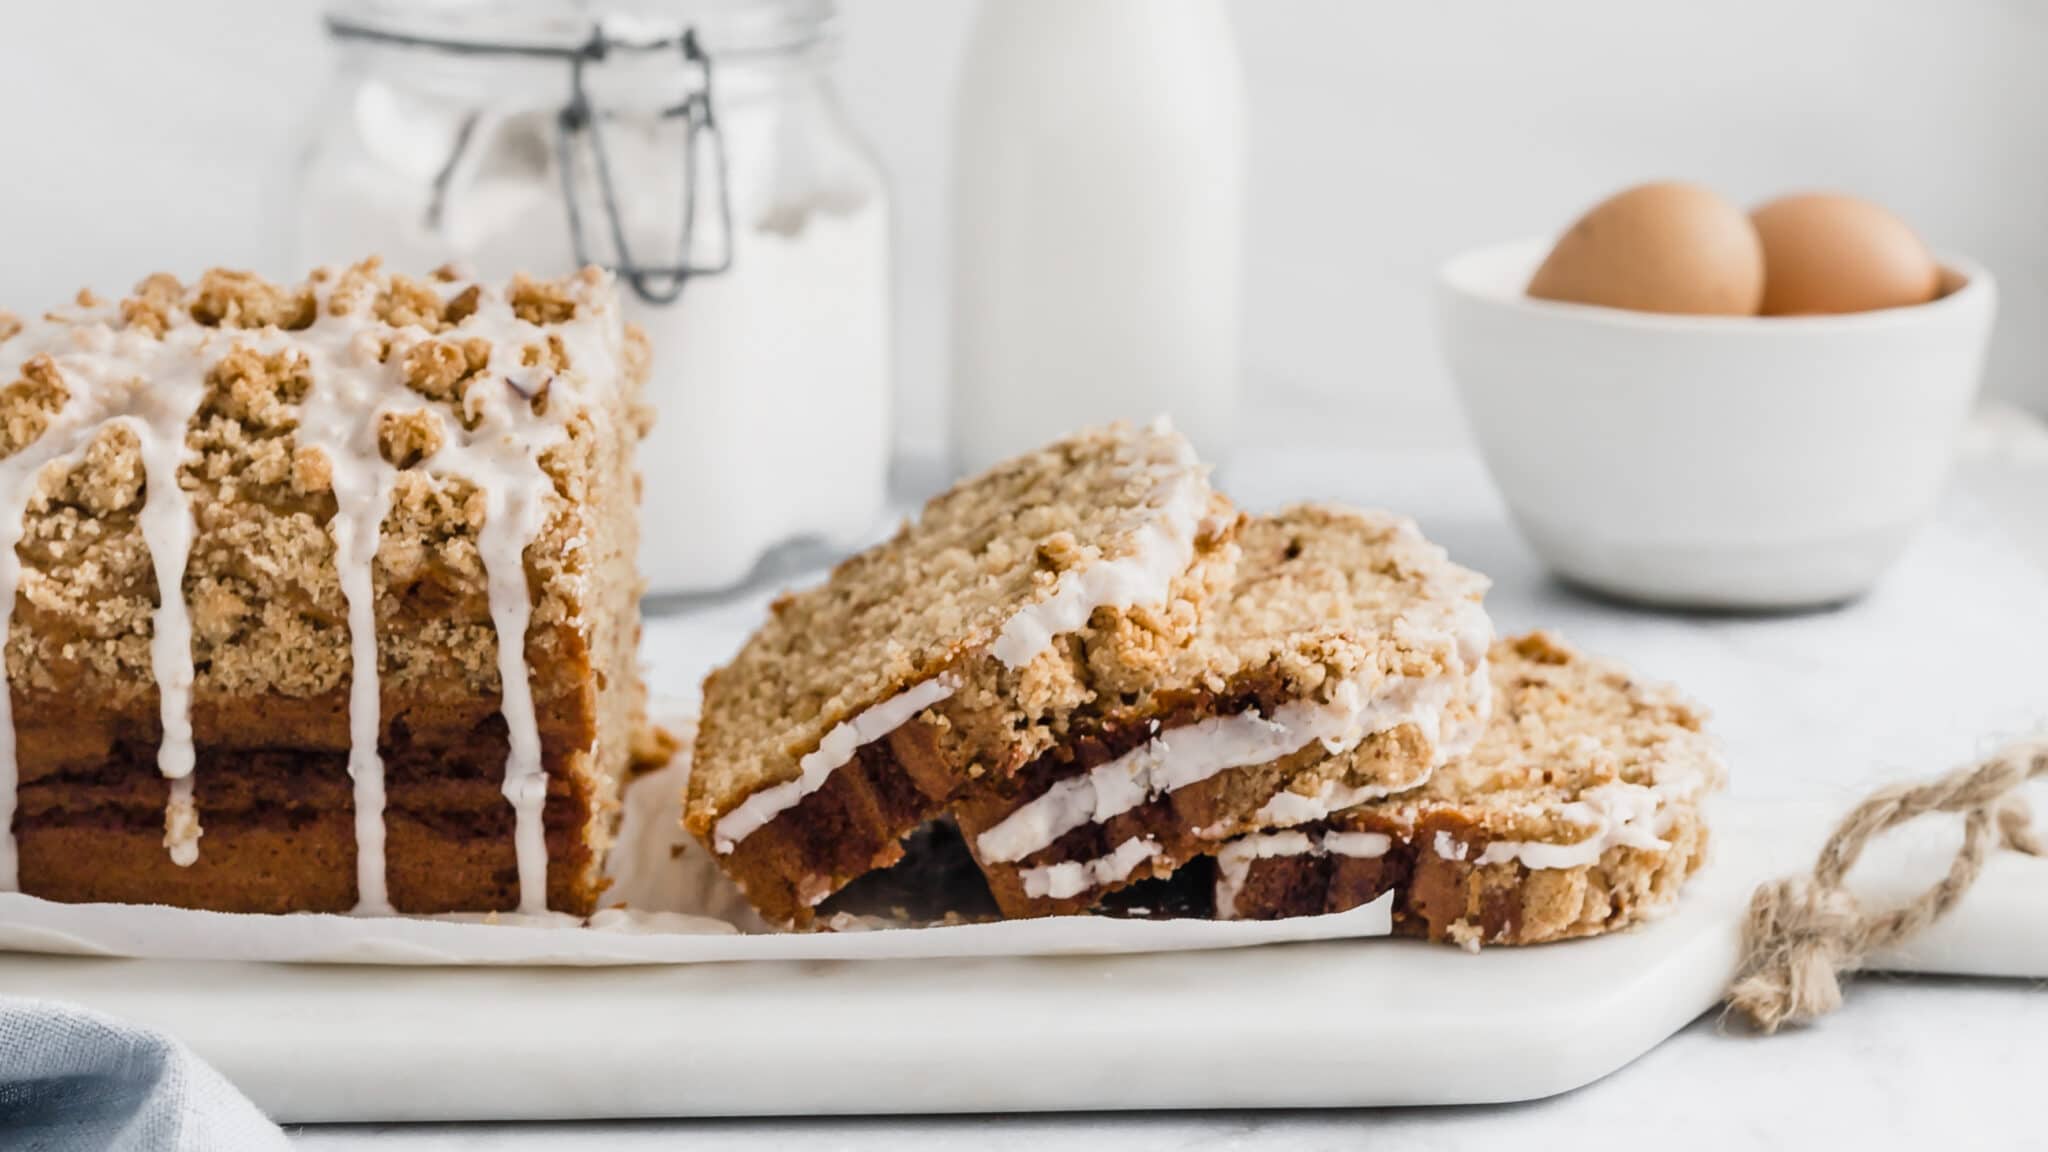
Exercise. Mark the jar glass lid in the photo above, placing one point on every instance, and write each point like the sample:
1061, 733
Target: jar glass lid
649, 64
722, 26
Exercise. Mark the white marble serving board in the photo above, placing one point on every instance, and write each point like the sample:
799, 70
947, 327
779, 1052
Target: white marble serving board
1352, 1023
1348, 1023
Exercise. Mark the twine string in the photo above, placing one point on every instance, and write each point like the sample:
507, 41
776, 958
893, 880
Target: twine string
1805, 933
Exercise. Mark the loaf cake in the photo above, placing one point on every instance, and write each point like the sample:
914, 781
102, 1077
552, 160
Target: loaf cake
1344, 662
1014, 605
1578, 813
318, 596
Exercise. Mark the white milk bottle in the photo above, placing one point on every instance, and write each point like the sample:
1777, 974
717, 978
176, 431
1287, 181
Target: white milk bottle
1098, 222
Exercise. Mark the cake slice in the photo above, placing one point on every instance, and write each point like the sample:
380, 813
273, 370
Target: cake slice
318, 596
1017, 602
1578, 813
1344, 662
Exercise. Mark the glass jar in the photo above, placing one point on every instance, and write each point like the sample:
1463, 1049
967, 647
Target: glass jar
696, 148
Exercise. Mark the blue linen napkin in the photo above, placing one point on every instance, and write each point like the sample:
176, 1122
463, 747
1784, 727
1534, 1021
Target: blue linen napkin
73, 1080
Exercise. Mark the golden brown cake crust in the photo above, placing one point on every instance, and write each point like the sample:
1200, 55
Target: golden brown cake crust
270, 637
1579, 812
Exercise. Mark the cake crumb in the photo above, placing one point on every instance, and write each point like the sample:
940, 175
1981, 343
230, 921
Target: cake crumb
541, 301
28, 404
654, 746
234, 299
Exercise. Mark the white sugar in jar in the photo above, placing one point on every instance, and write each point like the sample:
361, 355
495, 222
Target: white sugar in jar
698, 149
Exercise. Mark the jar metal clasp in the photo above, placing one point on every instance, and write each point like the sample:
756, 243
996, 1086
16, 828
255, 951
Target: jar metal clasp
654, 283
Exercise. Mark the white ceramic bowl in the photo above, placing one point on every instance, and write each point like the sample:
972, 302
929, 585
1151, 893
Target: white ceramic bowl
1713, 462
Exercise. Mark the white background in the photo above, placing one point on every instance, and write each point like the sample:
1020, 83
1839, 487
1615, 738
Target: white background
147, 134
142, 135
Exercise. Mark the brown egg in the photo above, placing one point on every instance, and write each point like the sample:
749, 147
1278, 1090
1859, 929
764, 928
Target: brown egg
1829, 253
1658, 248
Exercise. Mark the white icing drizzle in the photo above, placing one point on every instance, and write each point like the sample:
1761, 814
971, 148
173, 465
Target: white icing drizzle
341, 420
1073, 877
510, 520
181, 824
1289, 808
155, 386
1191, 753
166, 523
1361, 845
1162, 548
1234, 860
839, 745
1619, 814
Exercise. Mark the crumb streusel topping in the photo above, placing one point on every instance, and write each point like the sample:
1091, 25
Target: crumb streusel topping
235, 486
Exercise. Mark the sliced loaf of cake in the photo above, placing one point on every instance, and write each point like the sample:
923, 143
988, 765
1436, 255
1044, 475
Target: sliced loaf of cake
1343, 664
1578, 813
959, 650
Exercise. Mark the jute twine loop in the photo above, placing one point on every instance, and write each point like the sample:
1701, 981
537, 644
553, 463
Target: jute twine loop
1805, 933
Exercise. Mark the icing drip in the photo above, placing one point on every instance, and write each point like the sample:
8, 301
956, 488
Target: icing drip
166, 522
356, 526
181, 823
511, 519
341, 420
130, 378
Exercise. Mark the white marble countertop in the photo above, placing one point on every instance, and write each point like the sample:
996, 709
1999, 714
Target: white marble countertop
1912, 1061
